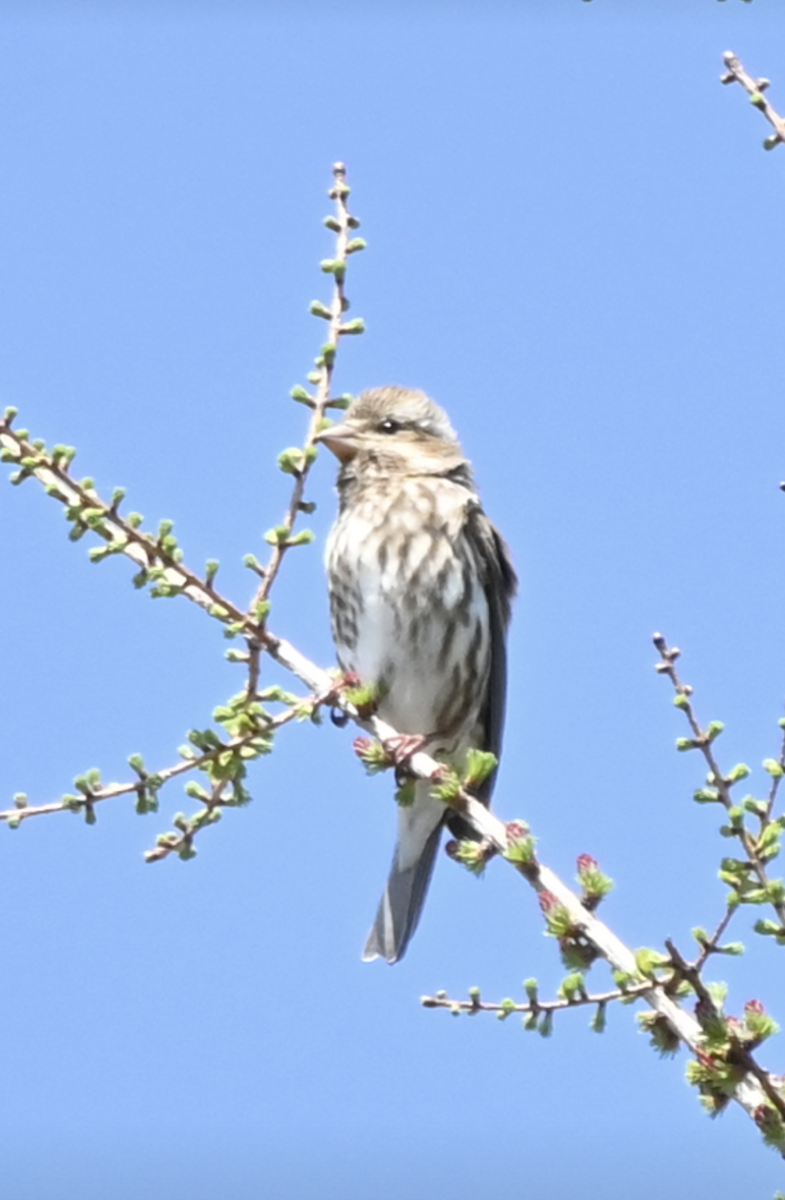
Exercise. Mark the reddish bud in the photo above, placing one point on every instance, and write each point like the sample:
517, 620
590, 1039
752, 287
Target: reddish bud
548, 901
451, 848
361, 745
516, 830
587, 863
754, 1006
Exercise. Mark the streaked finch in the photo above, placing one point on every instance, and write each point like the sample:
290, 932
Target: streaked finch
421, 585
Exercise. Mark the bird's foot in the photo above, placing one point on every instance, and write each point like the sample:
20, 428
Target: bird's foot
403, 746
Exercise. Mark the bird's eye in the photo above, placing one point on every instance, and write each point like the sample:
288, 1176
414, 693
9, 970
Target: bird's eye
388, 425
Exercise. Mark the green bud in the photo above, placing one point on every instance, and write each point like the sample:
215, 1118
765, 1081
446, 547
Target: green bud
546, 1025
773, 767
733, 948
356, 244
479, 765
355, 326
647, 961
681, 701
211, 570
304, 538
531, 988
770, 142
134, 519
714, 730
263, 609
740, 771
14, 822
598, 1021
406, 794
136, 762
706, 796
684, 743
757, 99
331, 223
299, 394
20, 800
317, 309
314, 377
277, 536
328, 353
291, 461
334, 266
218, 611
341, 402
10, 413
506, 1008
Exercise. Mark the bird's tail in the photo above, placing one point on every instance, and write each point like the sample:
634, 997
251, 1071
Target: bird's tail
419, 833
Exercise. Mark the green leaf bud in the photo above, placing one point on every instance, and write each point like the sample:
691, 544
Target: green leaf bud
706, 796
681, 701
599, 1021
134, 519
304, 538
647, 961
355, 326
735, 949
506, 1009
277, 536
332, 224
773, 767
479, 765
714, 729
531, 988
684, 743
328, 353
546, 1025
356, 244
10, 413
299, 394
317, 309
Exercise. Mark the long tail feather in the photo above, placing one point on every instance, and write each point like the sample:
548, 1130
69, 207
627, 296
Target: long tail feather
401, 904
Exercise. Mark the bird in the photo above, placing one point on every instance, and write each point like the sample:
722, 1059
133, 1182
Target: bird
421, 585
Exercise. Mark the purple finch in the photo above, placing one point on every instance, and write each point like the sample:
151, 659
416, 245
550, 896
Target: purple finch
420, 585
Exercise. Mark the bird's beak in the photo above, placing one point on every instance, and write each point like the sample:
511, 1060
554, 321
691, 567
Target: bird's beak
343, 440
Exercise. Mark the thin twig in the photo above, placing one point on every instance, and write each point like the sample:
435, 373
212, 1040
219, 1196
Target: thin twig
756, 89
535, 1006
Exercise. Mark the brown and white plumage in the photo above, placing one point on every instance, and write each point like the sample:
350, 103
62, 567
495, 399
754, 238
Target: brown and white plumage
420, 590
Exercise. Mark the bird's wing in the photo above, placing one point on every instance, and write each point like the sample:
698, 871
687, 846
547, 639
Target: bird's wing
500, 584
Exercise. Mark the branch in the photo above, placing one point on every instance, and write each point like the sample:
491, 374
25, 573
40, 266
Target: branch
755, 88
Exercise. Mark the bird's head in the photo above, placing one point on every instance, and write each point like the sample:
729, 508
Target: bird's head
395, 430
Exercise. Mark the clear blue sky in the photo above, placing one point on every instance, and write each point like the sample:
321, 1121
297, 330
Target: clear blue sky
576, 245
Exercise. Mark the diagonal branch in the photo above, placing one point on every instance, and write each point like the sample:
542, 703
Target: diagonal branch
755, 88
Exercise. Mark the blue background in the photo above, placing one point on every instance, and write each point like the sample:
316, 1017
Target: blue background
575, 244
